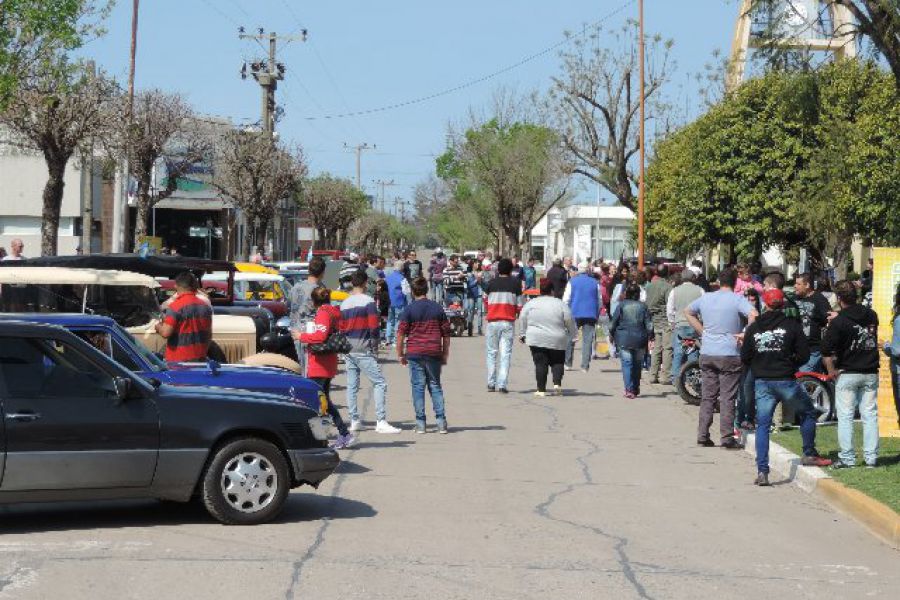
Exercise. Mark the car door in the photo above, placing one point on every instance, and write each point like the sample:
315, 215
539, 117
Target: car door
66, 427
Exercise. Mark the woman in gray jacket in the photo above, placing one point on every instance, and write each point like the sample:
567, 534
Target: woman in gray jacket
547, 326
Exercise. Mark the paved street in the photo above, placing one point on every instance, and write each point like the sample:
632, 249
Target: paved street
586, 496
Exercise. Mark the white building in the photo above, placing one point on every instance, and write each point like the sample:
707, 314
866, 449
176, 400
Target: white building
584, 231
23, 175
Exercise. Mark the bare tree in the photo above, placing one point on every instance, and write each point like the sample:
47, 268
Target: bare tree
333, 204
429, 197
597, 99
163, 129
256, 173
57, 111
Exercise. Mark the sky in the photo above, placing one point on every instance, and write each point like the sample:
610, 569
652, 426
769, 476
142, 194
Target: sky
363, 55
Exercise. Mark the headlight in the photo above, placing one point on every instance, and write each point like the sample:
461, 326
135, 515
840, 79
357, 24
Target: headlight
323, 404
320, 426
283, 323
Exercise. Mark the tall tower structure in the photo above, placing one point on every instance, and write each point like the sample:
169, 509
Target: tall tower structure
803, 25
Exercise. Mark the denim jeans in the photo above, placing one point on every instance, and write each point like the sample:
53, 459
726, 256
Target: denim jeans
367, 364
746, 404
588, 335
426, 372
632, 364
768, 394
437, 289
854, 390
475, 313
301, 356
895, 381
499, 340
678, 356
393, 320
814, 364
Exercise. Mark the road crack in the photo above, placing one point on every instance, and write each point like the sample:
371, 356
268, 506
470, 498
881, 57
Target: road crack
544, 508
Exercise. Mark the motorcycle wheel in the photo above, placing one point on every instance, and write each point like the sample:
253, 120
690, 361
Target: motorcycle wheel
688, 382
822, 396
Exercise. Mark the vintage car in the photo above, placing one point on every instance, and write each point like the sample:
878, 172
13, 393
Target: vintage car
238, 452
110, 338
129, 298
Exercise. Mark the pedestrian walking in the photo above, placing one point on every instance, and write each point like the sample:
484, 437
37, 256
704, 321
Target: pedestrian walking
546, 325
322, 367
16, 248
436, 272
303, 309
850, 353
658, 291
423, 344
474, 303
717, 316
502, 300
585, 301
398, 294
679, 299
187, 324
559, 277
412, 268
529, 275
632, 329
773, 347
360, 323
892, 349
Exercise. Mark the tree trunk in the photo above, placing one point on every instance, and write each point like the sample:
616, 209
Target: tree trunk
261, 235
840, 255
53, 193
245, 243
142, 216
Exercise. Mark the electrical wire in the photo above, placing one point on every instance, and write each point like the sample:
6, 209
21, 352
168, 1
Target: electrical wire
478, 80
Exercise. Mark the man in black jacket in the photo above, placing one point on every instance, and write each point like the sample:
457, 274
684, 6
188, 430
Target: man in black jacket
850, 352
814, 309
559, 277
774, 346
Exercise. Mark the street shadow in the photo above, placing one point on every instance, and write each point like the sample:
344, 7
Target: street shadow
396, 444
453, 429
116, 514
348, 467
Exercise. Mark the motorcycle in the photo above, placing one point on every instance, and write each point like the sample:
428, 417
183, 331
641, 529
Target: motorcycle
688, 381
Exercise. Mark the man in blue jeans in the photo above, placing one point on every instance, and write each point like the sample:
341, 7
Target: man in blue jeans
679, 299
850, 352
503, 294
773, 347
398, 293
423, 344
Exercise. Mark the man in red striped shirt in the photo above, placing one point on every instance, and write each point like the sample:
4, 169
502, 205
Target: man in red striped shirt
502, 299
187, 325
426, 332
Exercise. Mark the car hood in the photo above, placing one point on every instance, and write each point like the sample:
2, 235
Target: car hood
264, 380
183, 393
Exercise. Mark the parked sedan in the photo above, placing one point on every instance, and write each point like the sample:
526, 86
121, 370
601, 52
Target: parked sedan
79, 426
109, 337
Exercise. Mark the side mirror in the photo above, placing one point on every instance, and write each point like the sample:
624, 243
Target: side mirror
123, 388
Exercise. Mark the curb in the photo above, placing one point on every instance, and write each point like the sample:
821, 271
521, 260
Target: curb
880, 520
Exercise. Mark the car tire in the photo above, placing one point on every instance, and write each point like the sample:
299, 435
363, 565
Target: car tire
688, 382
822, 396
257, 473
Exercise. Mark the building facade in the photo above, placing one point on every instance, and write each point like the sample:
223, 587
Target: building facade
584, 231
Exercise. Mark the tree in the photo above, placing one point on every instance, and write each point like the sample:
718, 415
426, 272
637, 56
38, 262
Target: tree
877, 20
34, 32
163, 128
56, 111
517, 167
597, 100
256, 173
333, 204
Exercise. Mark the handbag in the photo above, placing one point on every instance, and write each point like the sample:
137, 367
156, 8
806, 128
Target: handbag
336, 343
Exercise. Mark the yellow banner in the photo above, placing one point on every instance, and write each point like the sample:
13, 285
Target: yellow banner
884, 286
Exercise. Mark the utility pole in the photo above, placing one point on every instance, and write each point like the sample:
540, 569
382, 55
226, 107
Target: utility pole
643, 123
359, 150
383, 185
267, 73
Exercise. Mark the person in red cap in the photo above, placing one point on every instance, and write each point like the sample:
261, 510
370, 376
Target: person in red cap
774, 346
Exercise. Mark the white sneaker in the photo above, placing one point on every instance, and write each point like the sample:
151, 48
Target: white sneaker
356, 425
540, 394
385, 427
557, 390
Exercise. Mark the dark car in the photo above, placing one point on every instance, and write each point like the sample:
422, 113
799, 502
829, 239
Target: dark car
79, 426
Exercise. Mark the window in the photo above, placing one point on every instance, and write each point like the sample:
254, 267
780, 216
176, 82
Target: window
50, 368
121, 356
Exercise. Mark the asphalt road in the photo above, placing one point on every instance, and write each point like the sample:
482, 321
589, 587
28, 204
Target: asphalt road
585, 496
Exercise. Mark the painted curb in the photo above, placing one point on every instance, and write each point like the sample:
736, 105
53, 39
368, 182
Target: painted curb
879, 519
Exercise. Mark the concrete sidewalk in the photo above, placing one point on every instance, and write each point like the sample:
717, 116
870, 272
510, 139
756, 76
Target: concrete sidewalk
585, 496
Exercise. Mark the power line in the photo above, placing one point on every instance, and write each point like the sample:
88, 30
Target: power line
221, 13
479, 80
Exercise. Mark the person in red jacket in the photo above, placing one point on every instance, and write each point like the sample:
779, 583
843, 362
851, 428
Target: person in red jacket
322, 368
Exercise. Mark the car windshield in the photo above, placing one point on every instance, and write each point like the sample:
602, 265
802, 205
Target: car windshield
155, 362
128, 305
258, 290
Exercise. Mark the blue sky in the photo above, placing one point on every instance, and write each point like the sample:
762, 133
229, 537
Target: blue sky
363, 54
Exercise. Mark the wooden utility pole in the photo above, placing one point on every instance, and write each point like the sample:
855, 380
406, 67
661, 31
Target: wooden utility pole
358, 148
643, 123
383, 184
268, 73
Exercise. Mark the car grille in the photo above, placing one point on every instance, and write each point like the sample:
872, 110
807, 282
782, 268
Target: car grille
298, 433
234, 351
